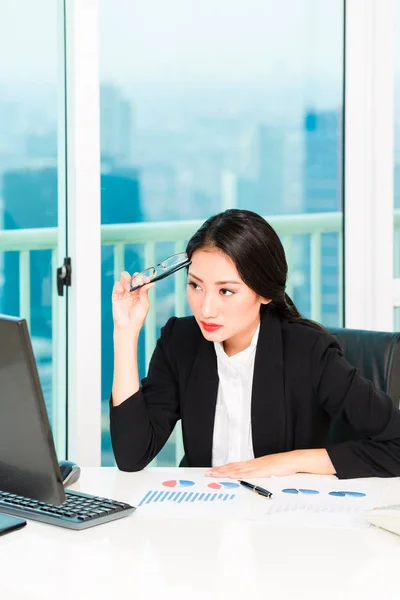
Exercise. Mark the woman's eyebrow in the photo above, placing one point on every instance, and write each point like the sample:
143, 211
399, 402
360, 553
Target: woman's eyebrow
217, 282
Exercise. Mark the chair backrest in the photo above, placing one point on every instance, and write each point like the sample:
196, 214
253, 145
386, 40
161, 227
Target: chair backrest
376, 355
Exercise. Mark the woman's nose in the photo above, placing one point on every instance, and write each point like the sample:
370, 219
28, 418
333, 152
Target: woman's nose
209, 307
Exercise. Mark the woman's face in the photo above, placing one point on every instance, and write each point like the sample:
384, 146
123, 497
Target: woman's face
225, 308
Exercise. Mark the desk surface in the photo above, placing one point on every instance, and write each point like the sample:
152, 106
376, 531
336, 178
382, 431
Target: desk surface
211, 554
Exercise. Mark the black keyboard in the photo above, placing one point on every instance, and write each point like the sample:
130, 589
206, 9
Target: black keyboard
79, 511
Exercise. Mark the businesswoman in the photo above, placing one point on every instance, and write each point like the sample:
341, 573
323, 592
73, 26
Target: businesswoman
255, 385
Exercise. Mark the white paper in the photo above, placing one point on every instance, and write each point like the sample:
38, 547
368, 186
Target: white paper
300, 510
322, 509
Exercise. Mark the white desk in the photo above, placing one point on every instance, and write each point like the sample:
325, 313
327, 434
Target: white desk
146, 556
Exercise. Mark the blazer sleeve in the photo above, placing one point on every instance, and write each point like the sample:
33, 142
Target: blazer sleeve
371, 413
142, 424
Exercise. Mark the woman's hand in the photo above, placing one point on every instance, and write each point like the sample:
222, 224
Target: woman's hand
265, 466
315, 460
130, 309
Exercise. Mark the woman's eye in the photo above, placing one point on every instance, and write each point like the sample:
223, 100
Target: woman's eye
193, 285
226, 292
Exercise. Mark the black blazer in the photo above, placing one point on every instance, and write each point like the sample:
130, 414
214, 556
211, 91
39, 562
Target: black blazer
301, 381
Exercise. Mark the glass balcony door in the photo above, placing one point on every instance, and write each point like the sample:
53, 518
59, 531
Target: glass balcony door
32, 188
214, 105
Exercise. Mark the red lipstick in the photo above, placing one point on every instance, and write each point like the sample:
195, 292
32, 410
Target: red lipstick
210, 326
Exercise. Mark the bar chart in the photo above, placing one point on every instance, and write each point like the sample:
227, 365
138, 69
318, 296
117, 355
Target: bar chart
153, 496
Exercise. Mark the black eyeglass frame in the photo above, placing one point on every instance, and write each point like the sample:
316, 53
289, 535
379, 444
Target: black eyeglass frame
186, 263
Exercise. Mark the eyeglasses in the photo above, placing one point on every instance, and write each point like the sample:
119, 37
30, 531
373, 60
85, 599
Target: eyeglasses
341, 494
163, 269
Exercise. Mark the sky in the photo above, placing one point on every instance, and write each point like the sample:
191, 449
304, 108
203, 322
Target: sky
220, 40
175, 39
285, 45
224, 40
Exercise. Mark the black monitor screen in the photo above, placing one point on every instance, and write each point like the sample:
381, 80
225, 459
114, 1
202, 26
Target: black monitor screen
28, 461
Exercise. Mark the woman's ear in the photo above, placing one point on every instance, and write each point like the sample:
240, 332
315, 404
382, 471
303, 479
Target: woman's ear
265, 301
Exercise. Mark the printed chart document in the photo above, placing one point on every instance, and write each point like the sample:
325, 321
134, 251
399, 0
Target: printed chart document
297, 501
188, 497
313, 501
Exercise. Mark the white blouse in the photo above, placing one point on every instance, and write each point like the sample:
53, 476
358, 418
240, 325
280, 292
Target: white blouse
232, 438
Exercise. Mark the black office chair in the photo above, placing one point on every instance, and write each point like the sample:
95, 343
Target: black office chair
376, 355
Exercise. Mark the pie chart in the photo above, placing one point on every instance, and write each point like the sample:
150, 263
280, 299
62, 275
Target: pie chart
229, 485
178, 483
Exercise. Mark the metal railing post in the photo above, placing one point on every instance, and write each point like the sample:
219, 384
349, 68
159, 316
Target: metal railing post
316, 295
25, 286
150, 324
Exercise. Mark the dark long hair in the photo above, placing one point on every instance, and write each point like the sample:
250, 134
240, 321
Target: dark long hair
258, 254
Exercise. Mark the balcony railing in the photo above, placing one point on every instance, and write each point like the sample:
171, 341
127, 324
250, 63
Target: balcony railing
179, 231
315, 225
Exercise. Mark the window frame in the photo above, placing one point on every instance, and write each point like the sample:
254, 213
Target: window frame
369, 289
83, 231
368, 162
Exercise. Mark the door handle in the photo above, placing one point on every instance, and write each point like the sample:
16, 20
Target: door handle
64, 276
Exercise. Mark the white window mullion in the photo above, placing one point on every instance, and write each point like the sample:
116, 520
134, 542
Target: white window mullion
83, 197
369, 76
397, 293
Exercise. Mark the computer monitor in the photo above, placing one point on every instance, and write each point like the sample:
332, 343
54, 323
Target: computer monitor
28, 461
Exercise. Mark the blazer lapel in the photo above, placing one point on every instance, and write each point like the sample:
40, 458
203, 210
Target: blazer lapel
199, 407
268, 400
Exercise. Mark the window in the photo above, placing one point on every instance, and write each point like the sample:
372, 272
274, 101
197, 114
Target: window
29, 190
207, 106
